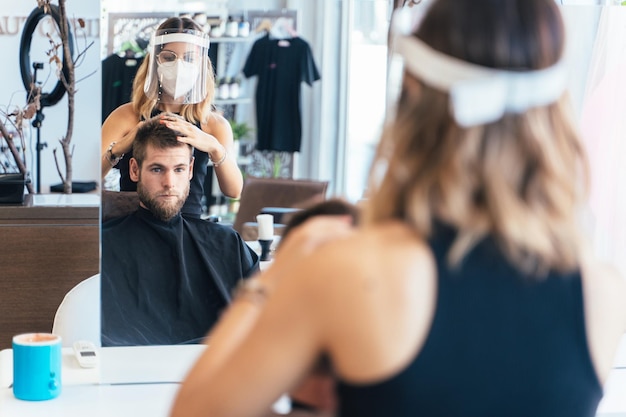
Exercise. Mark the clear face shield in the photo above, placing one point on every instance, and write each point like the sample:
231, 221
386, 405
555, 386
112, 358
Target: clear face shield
178, 67
478, 95
404, 21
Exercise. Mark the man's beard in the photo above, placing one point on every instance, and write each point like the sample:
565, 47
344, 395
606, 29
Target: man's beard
163, 210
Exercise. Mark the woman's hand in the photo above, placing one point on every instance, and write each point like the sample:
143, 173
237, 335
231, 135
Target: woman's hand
215, 137
190, 133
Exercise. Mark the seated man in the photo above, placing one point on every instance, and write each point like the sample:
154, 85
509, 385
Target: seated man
166, 276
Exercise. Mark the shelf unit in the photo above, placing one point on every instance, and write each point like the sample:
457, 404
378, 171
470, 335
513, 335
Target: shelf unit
232, 101
229, 49
232, 39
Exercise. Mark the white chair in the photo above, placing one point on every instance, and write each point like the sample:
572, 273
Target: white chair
78, 315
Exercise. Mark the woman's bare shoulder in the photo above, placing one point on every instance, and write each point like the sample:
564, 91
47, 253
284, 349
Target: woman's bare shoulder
123, 113
362, 283
388, 238
215, 121
217, 125
385, 249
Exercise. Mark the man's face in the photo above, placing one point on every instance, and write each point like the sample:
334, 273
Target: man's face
163, 179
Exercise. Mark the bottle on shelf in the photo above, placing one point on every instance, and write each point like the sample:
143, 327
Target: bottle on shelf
233, 88
243, 29
217, 30
202, 21
232, 27
224, 88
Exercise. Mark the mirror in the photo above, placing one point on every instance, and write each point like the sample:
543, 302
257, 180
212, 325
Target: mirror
333, 102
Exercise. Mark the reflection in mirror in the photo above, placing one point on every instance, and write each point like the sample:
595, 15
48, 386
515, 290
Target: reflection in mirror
231, 50
49, 241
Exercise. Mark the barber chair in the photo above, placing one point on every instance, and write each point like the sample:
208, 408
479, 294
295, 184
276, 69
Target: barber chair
118, 203
276, 196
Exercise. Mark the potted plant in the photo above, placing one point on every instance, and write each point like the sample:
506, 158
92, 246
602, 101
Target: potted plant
240, 129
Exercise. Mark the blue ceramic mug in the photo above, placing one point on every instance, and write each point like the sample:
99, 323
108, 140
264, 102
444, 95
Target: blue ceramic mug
36, 366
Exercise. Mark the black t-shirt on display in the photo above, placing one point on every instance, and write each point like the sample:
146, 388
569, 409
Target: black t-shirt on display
281, 65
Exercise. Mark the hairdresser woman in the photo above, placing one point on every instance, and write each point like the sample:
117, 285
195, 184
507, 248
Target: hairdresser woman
176, 77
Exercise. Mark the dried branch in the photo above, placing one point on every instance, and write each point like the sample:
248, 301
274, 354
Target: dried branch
86, 76
16, 155
56, 164
70, 86
45, 4
17, 117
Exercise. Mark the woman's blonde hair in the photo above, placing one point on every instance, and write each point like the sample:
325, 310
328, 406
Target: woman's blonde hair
514, 179
144, 106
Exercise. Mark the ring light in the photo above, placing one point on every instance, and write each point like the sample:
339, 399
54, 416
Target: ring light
52, 97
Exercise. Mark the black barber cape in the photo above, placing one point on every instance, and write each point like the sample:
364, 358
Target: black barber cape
167, 282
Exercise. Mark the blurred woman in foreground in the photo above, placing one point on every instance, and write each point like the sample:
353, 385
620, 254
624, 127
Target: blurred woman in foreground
467, 288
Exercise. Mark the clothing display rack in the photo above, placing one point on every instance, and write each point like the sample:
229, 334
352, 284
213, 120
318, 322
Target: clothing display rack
128, 27
260, 18
270, 163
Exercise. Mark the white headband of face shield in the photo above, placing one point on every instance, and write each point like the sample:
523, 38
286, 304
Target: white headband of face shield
202, 41
478, 94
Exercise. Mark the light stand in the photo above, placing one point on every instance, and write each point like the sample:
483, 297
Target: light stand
37, 125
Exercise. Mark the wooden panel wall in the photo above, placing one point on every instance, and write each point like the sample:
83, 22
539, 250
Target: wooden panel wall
44, 252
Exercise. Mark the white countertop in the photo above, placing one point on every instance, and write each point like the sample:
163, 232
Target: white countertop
143, 381
129, 382
132, 400
66, 200
120, 365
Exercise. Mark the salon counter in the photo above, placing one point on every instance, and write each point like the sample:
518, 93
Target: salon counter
47, 246
128, 381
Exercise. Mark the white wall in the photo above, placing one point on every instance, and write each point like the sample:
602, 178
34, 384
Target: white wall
86, 137
581, 26
603, 128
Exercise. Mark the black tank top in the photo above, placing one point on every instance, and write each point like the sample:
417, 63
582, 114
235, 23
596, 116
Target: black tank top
193, 204
500, 344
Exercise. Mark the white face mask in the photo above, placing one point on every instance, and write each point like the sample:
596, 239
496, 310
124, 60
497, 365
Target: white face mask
178, 79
